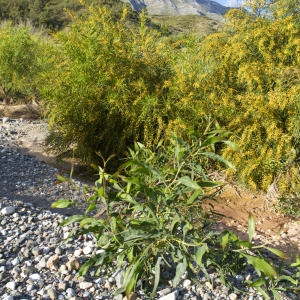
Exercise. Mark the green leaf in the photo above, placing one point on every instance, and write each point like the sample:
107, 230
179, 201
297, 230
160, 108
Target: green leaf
245, 244
276, 294
157, 276
258, 282
72, 219
61, 178
263, 293
277, 252
92, 206
232, 145
187, 181
212, 140
199, 252
180, 269
210, 183
219, 158
63, 203
288, 278
225, 240
261, 265
195, 195
251, 226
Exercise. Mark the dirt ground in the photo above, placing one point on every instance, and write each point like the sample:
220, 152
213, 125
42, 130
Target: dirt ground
235, 203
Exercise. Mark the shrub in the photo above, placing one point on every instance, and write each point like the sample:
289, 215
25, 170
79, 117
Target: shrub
252, 85
20, 60
107, 86
150, 219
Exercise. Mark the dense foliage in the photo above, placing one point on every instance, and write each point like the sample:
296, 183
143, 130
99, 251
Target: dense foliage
52, 14
20, 60
252, 84
151, 222
112, 84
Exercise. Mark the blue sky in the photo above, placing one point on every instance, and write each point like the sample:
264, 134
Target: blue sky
230, 3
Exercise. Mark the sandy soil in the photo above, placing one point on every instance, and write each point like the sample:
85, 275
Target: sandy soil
235, 203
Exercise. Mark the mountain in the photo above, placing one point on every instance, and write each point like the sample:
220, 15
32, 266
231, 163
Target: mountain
206, 8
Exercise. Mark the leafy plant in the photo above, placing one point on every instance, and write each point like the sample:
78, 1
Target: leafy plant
153, 217
150, 219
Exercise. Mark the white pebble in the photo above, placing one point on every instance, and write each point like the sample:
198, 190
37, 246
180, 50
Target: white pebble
15, 261
11, 285
35, 277
8, 210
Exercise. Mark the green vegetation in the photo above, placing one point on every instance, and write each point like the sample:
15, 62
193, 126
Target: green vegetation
106, 82
20, 61
53, 14
153, 220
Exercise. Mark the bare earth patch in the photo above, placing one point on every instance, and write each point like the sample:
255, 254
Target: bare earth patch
235, 203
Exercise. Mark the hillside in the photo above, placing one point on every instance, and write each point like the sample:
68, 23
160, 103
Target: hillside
207, 8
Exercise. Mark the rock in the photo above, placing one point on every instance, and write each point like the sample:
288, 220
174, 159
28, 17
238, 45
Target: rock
42, 263
11, 285
8, 298
52, 294
70, 292
52, 261
35, 277
171, 296
15, 261
164, 292
233, 296
87, 250
8, 210
209, 285
73, 264
186, 283
85, 285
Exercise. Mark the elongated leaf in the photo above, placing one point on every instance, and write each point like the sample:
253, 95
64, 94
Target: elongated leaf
210, 183
195, 195
258, 282
176, 219
225, 240
72, 219
218, 158
288, 278
90, 220
261, 265
63, 203
187, 181
263, 293
277, 252
276, 295
157, 276
232, 145
245, 244
199, 252
92, 206
180, 269
212, 140
61, 178
251, 226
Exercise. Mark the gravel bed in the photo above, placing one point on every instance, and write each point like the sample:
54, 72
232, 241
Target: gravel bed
37, 263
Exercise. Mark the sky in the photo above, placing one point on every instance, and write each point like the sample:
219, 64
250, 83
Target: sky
230, 3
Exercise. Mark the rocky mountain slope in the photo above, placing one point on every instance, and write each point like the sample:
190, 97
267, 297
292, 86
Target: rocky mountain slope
207, 8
